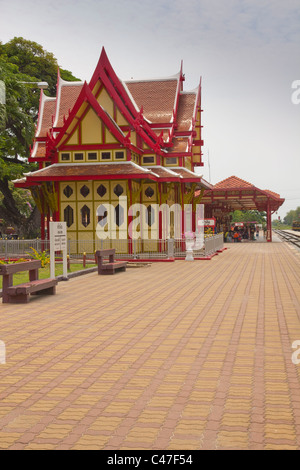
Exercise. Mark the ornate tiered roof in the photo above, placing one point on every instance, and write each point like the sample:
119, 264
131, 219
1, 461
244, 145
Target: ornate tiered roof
152, 116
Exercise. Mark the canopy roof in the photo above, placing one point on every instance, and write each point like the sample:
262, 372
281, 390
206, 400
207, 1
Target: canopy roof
234, 193
112, 170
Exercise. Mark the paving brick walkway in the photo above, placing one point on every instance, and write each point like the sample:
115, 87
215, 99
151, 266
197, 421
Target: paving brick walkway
184, 355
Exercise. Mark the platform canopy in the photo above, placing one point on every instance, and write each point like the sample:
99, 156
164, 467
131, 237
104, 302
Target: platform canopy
234, 193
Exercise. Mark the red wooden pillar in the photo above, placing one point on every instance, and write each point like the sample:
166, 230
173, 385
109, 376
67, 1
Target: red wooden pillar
194, 228
130, 218
43, 234
42, 226
269, 222
182, 218
160, 220
48, 225
56, 214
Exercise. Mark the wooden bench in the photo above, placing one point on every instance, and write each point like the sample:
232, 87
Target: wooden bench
111, 266
21, 293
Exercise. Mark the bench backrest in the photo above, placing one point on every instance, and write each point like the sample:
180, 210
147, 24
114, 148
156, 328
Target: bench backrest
101, 254
17, 267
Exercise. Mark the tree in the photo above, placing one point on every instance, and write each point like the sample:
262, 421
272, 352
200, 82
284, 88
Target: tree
249, 216
291, 216
21, 61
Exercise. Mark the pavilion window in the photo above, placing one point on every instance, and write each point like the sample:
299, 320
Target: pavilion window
68, 191
149, 192
65, 157
105, 155
69, 216
85, 216
84, 191
171, 161
101, 190
120, 155
118, 190
150, 216
119, 215
78, 157
147, 160
102, 219
92, 156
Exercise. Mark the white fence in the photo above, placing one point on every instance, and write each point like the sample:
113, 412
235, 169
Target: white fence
129, 249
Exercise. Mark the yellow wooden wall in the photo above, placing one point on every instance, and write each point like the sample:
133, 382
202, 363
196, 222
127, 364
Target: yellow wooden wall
82, 198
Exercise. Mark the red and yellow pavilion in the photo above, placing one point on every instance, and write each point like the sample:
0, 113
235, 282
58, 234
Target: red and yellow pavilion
96, 142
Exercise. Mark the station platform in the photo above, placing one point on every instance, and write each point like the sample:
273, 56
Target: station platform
183, 355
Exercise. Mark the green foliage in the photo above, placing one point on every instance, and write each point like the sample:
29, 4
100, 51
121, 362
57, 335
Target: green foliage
34, 61
21, 61
42, 256
249, 216
18, 114
279, 225
23, 199
12, 261
291, 216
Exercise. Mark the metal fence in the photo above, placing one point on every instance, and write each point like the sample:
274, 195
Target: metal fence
125, 248
11, 248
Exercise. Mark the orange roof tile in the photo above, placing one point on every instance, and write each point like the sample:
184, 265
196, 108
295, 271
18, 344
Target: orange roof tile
68, 97
157, 97
164, 172
233, 182
180, 145
38, 150
48, 114
185, 111
272, 193
93, 171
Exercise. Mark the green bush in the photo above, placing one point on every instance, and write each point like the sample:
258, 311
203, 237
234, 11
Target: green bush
42, 256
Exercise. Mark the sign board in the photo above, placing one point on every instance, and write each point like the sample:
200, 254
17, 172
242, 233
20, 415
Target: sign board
239, 224
58, 235
207, 222
58, 242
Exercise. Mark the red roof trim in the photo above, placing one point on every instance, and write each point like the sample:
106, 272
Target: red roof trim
108, 77
33, 181
87, 95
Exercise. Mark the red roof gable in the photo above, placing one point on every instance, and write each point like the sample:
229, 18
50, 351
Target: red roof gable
233, 182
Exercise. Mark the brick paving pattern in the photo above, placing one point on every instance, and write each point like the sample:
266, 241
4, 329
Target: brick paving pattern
184, 355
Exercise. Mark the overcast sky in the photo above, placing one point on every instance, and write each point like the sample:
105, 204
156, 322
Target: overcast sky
247, 53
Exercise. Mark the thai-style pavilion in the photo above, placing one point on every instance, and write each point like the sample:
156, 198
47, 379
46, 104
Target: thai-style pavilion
97, 142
